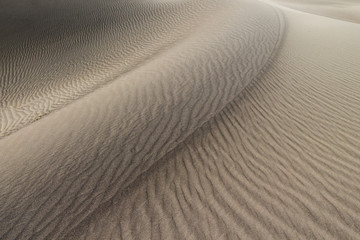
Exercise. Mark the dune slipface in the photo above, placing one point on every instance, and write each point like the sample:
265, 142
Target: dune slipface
189, 60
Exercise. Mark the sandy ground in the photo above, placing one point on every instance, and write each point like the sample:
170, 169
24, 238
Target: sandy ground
233, 120
346, 10
279, 162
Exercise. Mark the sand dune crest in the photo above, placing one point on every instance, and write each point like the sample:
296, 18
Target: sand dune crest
61, 168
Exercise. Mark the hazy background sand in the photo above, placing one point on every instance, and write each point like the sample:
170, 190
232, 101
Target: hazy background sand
347, 10
181, 146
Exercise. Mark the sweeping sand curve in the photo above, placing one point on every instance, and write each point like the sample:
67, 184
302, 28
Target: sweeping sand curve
281, 161
61, 167
199, 119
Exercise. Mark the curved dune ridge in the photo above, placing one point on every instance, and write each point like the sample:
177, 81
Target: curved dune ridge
199, 119
56, 171
281, 161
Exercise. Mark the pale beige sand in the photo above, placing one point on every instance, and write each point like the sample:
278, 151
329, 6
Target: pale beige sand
280, 161
347, 10
59, 169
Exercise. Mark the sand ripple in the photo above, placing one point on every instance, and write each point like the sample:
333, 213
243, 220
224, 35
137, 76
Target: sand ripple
59, 169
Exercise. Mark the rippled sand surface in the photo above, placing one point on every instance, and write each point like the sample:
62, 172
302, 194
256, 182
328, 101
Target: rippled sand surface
197, 119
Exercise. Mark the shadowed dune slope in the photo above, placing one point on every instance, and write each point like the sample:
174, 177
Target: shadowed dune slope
281, 161
58, 170
53, 52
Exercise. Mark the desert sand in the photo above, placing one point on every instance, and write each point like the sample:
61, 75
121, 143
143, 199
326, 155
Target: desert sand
197, 119
346, 10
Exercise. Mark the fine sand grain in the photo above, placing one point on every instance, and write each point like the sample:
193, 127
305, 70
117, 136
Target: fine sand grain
200, 119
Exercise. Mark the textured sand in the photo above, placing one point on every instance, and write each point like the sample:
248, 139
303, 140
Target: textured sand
54, 53
282, 161
238, 120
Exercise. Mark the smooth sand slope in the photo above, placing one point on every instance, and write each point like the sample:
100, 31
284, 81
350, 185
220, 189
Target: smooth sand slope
347, 10
241, 128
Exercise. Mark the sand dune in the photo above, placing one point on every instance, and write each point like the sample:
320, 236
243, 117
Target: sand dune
52, 54
67, 163
279, 162
198, 119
